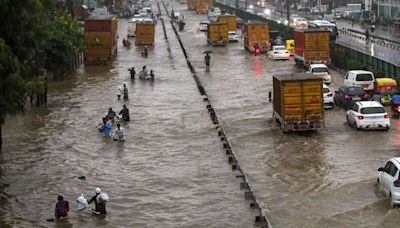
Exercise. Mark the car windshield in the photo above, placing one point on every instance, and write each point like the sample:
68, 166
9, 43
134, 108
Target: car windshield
372, 110
232, 33
280, 48
320, 70
326, 90
355, 90
364, 77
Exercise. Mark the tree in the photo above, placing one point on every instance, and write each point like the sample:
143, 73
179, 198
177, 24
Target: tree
12, 85
65, 43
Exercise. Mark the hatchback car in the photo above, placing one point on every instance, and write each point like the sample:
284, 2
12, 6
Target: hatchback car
203, 26
345, 96
368, 115
233, 36
328, 97
389, 182
320, 70
279, 52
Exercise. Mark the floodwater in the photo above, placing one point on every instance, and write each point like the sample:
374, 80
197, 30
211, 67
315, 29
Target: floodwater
323, 179
170, 172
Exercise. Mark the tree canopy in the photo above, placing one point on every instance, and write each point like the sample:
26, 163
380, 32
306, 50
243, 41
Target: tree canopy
30, 27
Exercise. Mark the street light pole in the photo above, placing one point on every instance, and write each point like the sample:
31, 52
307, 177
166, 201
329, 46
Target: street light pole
288, 11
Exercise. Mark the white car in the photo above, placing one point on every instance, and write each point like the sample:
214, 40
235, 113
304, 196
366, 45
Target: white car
368, 115
143, 13
137, 18
388, 181
279, 52
217, 11
328, 97
233, 36
320, 70
314, 10
203, 26
301, 23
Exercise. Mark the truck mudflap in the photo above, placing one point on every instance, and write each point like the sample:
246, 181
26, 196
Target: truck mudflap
309, 125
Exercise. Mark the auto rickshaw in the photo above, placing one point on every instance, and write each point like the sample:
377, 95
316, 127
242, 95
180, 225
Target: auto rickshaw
385, 88
290, 46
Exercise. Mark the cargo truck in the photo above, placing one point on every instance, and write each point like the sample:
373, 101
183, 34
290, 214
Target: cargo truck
298, 102
100, 39
191, 4
217, 33
256, 33
145, 33
311, 46
202, 6
230, 20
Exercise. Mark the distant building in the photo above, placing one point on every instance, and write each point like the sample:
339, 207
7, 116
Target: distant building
383, 9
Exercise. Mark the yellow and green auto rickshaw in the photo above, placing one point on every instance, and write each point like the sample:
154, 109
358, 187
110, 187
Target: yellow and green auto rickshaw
290, 46
385, 88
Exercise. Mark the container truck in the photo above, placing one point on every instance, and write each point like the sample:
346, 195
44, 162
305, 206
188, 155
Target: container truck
191, 4
256, 33
298, 102
217, 33
100, 39
202, 6
311, 46
230, 20
145, 33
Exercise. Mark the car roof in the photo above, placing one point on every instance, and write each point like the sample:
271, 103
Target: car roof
203, 22
325, 86
366, 104
279, 46
318, 65
360, 72
396, 159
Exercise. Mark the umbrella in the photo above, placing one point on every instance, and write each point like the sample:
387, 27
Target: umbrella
207, 52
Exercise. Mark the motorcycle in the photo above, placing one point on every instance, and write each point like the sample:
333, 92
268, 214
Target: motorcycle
257, 51
395, 110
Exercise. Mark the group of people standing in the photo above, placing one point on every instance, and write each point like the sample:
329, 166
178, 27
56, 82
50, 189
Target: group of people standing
106, 126
99, 199
143, 74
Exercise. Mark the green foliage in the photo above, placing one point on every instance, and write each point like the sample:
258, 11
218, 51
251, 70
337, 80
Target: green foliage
12, 84
65, 43
36, 85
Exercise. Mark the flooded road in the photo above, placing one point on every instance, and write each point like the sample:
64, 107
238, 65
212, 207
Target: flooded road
171, 171
326, 179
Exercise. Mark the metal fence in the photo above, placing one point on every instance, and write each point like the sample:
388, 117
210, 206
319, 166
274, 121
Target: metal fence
340, 52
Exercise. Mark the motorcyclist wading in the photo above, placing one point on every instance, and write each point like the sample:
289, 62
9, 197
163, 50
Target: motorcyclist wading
395, 105
257, 49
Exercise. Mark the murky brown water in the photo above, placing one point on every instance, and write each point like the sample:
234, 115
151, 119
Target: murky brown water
325, 179
171, 171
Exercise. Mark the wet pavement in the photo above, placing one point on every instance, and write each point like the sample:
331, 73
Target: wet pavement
171, 171
324, 179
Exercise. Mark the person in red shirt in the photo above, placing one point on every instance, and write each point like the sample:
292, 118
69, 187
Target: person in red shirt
62, 208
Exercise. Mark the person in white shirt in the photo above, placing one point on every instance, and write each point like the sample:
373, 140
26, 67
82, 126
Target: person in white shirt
119, 133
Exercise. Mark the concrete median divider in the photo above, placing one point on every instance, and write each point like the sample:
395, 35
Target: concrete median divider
226, 144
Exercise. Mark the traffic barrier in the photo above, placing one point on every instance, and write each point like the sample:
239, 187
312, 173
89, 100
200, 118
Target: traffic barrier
244, 185
226, 143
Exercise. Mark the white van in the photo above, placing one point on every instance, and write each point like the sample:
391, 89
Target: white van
362, 78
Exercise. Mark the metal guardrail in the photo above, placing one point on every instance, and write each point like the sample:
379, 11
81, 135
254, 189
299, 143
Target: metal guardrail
375, 39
